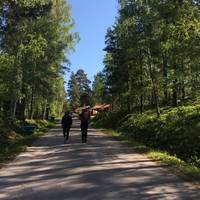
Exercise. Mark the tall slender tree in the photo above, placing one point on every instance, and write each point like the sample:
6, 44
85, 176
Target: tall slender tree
84, 87
73, 91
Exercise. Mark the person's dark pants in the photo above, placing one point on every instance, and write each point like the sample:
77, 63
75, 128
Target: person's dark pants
84, 128
66, 132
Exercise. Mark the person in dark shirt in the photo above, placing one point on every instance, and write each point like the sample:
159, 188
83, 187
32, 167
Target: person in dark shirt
84, 117
66, 124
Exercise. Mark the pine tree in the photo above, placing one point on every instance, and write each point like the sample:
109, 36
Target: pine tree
73, 91
84, 87
99, 89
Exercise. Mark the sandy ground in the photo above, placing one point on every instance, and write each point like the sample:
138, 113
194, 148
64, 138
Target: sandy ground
101, 169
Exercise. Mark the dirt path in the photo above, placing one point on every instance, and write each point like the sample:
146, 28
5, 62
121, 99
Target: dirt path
102, 169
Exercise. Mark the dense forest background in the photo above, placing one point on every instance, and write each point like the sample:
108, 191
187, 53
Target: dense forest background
35, 39
152, 54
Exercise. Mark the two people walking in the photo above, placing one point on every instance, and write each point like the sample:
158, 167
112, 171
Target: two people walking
67, 123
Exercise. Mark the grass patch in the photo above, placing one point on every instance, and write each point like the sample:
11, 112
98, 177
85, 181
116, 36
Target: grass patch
181, 168
18, 142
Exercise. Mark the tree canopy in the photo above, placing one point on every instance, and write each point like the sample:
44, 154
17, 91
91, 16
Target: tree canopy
152, 54
79, 90
35, 36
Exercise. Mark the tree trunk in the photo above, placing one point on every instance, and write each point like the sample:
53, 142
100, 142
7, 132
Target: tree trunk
22, 107
175, 94
155, 93
31, 106
165, 101
141, 104
14, 109
183, 92
128, 104
44, 111
47, 113
182, 82
156, 102
175, 87
1, 106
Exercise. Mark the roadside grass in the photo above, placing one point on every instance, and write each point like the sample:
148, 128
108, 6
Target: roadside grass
179, 167
18, 142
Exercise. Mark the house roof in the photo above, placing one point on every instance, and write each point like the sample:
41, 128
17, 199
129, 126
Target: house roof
107, 106
97, 106
101, 106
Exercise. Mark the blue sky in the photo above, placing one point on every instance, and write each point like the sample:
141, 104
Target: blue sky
92, 18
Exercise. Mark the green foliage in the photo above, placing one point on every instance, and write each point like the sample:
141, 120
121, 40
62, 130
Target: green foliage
79, 89
99, 89
35, 37
151, 54
73, 91
110, 119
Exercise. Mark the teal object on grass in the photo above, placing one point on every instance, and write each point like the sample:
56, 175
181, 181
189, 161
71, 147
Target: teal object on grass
29, 129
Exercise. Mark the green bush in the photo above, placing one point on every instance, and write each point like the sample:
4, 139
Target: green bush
109, 119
